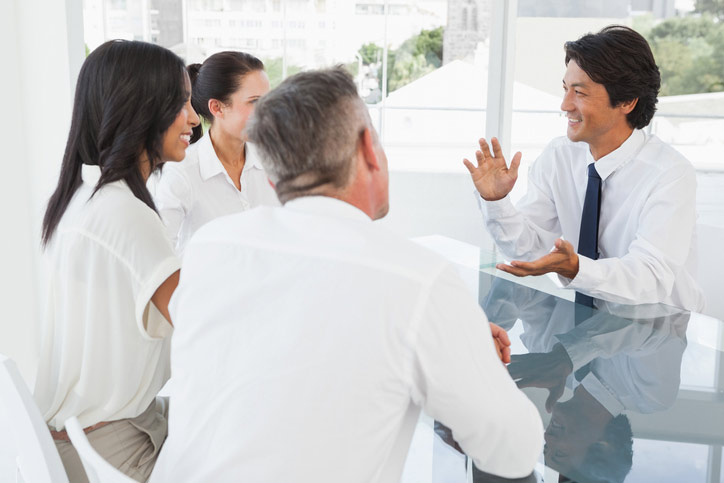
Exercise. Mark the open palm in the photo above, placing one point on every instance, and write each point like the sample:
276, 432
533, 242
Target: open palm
492, 177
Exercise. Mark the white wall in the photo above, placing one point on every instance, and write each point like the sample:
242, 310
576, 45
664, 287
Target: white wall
36, 85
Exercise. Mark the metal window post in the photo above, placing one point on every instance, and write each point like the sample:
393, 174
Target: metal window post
499, 113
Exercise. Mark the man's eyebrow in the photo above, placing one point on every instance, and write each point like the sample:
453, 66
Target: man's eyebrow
576, 84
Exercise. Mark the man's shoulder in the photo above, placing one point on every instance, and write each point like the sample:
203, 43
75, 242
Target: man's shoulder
663, 156
268, 228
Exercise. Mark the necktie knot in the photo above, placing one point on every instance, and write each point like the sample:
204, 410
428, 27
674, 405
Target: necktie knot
592, 173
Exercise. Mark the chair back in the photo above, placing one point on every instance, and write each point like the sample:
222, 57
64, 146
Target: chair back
96, 468
38, 459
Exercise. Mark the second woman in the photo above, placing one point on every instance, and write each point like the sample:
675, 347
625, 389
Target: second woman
221, 173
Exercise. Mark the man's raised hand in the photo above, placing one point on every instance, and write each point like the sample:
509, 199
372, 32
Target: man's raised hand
492, 177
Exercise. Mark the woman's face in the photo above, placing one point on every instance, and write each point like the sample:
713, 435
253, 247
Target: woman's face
178, 136
241, 104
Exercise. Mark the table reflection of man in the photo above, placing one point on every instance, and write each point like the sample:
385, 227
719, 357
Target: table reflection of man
622, 359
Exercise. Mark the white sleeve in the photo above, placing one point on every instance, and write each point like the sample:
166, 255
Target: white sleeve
460, 382
528, 230
173, 198
646, 274
141, 243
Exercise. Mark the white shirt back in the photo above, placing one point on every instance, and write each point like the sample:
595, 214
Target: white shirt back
104, 353
197, 190
307, 339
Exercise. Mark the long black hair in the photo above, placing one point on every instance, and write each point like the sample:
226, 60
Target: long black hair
218, 78
128, 94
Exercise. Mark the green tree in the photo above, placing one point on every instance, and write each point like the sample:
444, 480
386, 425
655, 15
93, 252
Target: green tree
690, 54
415, 57
713, 7
274, 70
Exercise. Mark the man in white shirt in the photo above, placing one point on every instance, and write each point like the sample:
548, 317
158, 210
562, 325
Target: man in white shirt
615, 205
308, 338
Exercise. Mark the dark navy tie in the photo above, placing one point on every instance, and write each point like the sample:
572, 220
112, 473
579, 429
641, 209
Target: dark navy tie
588, 237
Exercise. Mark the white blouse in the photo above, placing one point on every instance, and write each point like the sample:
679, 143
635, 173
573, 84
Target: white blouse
197, 190
105, 350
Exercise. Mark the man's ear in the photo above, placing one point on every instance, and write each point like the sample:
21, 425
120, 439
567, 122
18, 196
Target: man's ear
367, 141
628, 106
215, 107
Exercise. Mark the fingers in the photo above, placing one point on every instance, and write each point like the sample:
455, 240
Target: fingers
515, 270
554, 395
497, 152
500, 334
498, 349
470, 166
514, 164
564, 246
505, 354
485, 148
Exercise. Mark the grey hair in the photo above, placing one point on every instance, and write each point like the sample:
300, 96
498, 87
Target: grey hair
306, 131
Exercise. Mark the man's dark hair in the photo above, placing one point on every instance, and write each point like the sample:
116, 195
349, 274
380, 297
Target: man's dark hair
620, 58
608, 460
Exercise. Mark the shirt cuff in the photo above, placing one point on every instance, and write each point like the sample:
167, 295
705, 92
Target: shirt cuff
580, 350
587, 277
496, 209
143, 299
601, 393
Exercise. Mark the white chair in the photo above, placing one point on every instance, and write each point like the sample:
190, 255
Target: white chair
96, 468
38, 459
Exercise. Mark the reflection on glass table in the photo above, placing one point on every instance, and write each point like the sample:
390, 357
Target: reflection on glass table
609, 382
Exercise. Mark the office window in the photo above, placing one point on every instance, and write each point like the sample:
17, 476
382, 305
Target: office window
690, 113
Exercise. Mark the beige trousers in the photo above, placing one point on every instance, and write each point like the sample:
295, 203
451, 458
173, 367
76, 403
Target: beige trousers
131, 445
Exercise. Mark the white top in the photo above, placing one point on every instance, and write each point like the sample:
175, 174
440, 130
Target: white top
104, 354
197, 190
647, 235
308, 338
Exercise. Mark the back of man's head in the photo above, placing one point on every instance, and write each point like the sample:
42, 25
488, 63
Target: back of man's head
307, 131
620, 58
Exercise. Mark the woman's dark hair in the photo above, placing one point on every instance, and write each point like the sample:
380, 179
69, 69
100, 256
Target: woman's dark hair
620, 58
218, 78
128, 94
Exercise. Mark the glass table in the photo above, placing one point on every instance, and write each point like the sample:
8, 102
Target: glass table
626, 392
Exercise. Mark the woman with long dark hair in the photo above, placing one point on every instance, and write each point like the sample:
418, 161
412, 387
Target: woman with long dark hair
222, 173
112, 269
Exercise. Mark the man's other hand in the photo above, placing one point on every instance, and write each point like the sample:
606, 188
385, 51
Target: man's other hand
563, 260
545, 370
502, 342
492, 177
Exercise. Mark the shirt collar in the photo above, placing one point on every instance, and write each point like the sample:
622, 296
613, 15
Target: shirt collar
609, 163
327, 206
210, 165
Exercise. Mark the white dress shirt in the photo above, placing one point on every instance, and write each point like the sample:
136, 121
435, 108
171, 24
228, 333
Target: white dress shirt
197, 190
647, 235
306, 341
104, 353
